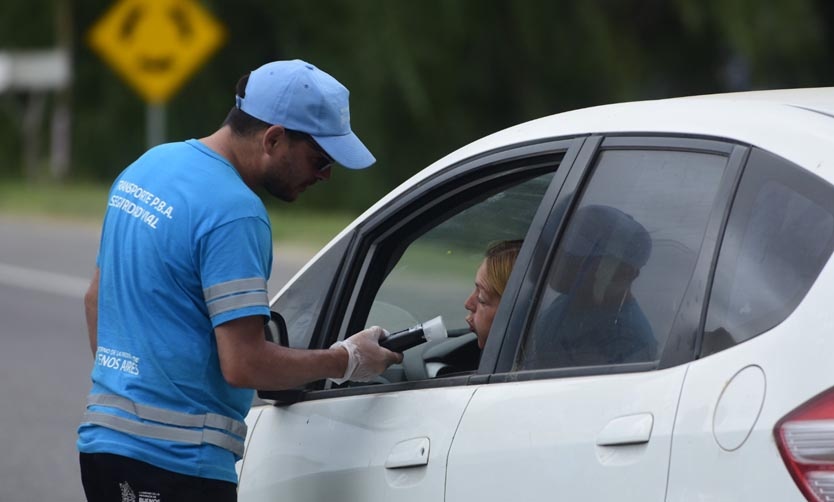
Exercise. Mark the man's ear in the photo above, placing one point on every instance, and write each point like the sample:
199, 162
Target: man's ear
272, 138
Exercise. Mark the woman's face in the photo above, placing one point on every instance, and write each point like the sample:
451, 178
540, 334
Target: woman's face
481, 305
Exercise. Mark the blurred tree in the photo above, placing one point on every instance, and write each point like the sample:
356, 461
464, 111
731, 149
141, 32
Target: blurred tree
427, 77
25, 25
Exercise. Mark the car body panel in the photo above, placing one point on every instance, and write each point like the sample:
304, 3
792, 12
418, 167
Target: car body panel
337, 449
251, 421
544, 435
795, 358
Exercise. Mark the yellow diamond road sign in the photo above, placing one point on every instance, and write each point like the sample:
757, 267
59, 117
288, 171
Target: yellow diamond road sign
156, 44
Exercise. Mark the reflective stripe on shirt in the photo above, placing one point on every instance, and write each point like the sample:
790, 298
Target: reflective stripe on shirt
236, 294
216, 428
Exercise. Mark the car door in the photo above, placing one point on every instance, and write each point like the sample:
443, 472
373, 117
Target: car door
583, 399
413, 260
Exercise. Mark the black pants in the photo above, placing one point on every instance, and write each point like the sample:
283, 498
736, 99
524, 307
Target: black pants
113, 478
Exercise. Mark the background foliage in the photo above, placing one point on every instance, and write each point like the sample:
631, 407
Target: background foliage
429, 76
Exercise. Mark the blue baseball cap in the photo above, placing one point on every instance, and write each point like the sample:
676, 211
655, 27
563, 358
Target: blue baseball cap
301, 97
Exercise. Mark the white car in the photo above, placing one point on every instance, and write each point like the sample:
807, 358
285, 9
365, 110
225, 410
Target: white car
717, 385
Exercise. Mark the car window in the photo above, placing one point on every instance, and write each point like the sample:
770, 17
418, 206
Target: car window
433, 270
625, 258
779, 236
436, 272
301, 304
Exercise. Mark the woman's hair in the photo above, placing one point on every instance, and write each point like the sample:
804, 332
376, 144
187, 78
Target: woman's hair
499, 260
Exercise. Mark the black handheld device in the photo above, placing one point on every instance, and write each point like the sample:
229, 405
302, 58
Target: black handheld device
403, 340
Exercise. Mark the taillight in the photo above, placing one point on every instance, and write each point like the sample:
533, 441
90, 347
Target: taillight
806, 441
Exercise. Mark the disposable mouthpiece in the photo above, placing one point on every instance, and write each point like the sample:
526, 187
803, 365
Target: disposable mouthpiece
434, 329
415, 335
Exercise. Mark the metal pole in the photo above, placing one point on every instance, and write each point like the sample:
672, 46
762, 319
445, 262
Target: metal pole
155, 124
60, 143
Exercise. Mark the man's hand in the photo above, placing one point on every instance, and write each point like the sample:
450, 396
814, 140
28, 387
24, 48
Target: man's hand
366, 359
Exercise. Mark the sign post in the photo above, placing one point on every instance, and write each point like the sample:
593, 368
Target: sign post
155, 45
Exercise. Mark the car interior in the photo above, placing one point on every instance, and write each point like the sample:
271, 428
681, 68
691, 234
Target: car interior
430, 271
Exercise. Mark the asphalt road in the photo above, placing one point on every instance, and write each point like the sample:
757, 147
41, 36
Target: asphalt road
45, 359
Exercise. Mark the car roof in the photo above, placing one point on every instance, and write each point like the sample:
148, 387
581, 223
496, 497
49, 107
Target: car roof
796, 124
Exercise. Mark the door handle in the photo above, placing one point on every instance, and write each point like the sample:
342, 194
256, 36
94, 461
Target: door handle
409, 453
630, 429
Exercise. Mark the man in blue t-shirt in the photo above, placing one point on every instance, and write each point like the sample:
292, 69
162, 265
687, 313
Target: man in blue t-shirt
177, 305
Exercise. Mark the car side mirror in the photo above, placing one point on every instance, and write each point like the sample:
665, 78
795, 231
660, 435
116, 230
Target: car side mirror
275, 330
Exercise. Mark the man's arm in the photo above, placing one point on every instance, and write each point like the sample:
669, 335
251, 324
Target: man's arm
248, 360
91, 311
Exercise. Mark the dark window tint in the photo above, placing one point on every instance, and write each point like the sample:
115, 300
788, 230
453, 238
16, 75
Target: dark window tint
779, 235
624, 260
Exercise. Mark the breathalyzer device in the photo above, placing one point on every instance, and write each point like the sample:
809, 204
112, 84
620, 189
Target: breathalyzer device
415, 335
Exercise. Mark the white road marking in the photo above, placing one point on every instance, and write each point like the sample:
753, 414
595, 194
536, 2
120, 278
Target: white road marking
39, 280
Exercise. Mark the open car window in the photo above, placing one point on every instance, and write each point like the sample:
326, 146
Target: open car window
436, 272
429, 268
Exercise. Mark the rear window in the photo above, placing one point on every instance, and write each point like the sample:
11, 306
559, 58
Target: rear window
779, 236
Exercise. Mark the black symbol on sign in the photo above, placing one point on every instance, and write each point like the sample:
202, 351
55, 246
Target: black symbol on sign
178, 18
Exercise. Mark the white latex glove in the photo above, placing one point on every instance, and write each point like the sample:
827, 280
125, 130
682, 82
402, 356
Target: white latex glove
366, 359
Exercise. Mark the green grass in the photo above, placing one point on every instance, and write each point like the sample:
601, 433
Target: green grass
85, 203
80, 202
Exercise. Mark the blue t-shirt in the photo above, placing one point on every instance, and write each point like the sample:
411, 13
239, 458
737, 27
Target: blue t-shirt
185, 247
